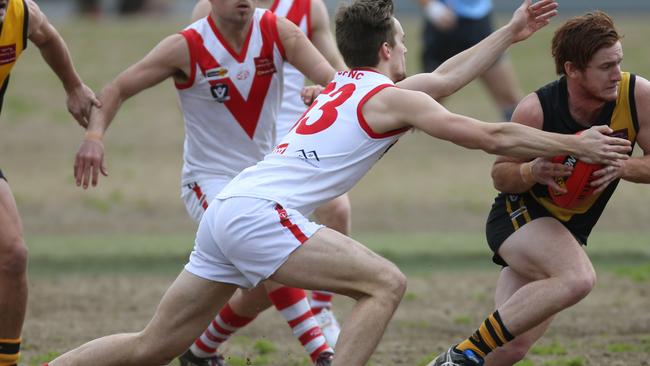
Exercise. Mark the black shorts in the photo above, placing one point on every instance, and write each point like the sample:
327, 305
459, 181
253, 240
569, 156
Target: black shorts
2, 175
512, 211
439, 46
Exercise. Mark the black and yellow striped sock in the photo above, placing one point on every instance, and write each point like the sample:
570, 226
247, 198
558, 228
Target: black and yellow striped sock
9, 351
490, 335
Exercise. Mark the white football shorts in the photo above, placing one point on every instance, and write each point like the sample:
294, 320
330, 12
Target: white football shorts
198, 195
244, 240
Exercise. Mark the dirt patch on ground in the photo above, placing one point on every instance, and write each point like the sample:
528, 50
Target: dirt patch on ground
610, 327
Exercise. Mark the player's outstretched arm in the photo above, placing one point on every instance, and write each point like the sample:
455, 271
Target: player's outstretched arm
394, 108
461, 69
80, 98
514, 175
302, 54
635, 169
170, 58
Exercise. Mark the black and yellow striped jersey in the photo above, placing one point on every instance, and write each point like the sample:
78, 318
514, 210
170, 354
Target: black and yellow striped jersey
620, 115
13, 40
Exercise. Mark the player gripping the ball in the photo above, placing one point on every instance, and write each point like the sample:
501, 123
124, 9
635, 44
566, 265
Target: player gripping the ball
537, 227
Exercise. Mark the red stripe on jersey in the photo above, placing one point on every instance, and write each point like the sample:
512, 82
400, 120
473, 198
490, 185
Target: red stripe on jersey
199, 195
242, 53
364, 124
274, 7
246, 111
269, 25
189, 39
286, 222
299, 10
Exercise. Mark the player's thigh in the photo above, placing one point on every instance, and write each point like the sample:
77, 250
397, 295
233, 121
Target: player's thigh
334, 262
185, 310
11, 228
542, 248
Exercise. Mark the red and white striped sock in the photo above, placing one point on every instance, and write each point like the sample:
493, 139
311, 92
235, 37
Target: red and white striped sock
294, 307
221, 328
320, 300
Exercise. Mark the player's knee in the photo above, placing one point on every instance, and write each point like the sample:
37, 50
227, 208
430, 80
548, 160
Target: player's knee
580, 285
391, 284
13, 261
336, 215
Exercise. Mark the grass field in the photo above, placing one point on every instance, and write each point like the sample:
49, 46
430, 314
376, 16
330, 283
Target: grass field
101, 259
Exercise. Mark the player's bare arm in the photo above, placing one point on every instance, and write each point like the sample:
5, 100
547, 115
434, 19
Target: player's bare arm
514, 175
459, 70
635, 169
43, 35
170, 58
394, 108
321, 35
302, 54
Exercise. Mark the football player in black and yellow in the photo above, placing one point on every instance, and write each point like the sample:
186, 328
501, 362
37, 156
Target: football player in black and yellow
540, 244
22, 20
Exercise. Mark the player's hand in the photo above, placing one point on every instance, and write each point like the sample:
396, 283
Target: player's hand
603, 177
599, 148
89, 162
529, 18
309, 93
80, 102
545, 172
440, 16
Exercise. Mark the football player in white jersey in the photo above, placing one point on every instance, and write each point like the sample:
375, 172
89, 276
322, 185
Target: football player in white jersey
256, 229
312, 18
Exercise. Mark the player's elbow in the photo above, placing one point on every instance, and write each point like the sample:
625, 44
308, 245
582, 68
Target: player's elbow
497, 140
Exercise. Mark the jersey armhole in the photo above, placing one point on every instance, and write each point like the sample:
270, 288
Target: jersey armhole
632, 97
25, 24
269, 25
191, 37
362, 120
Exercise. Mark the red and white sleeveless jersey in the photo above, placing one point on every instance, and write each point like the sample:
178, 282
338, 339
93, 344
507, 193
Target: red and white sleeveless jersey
299, 13
230, 102
326, 152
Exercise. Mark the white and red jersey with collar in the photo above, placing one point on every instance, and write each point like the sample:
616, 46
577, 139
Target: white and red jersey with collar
230, 102
326, 153
299, 13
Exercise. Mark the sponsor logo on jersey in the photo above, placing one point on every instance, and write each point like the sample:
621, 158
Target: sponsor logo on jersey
220, 92
309, 157
280, 149
264, 66
243, 75
7, 54
622, 134
216, 73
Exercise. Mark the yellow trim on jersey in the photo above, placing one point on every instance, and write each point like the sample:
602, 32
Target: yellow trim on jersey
11, 37
621, 120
